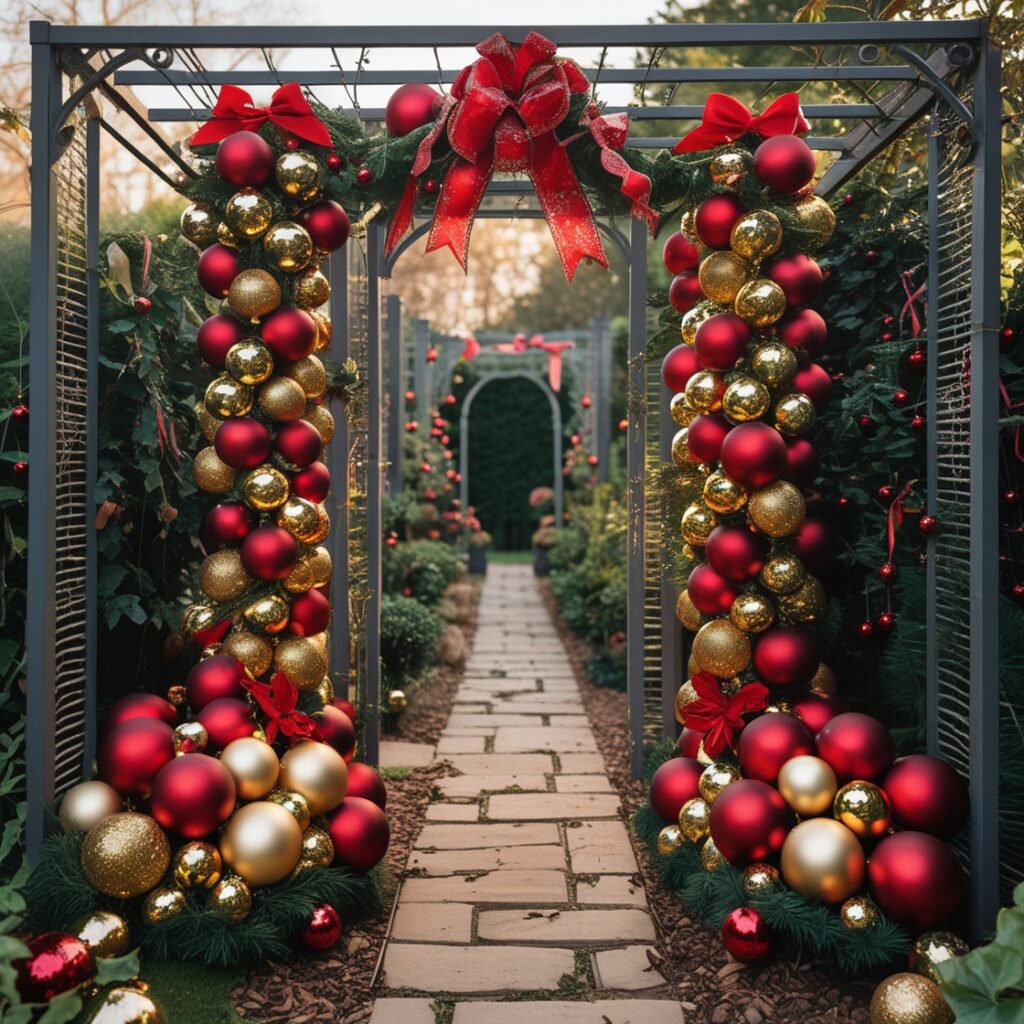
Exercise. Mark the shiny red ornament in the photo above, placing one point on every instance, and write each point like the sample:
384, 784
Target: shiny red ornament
927, 795
815, 382
927, 524
710, 592
856, 746
217, 267
214, 678
227, 524
812, 543
673, 784
586, 401
1006, 337
227, 719
312, 483
411, 106
328, 225
871, 257
20, 413
915, 879
592, 460
139, 705
130, 755
215, 337
360, 833
917, 423
364, 176
802, 463
1009, 497
886, 622
749, 821
886, 492
887, 572
298, 443
192, 795
786, 656
917, 359
678, 366
345, 706
292, 144
784, 163
689, 741
335, 161
847, 200
143, 305
1017, 590
866, 630
843, 501
309, 614
815, 710
866, 423
753, 454
886, 336
735, 552
684, 291
289, 333
721, 341
705, 435
768, 742
797, 275
680, 254
363, 781
269, 553
745, 935
431, 187
804, 329
323, 930
335, 728
888, 320
243, 442
715, 218
57, 962
245, 159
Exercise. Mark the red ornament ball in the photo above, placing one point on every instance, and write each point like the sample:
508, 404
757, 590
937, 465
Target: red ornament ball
856, 746
227, 719
360, 833
227, 524
815, 382
866, 424
802, 463
812, 543
900, 398
411, 106
710, 593
927, 524
684, 291
689, 742
804, 329
215, 337
798, 276
721, 341
678, 367
130, 755
292, 144
20, 413
345, 706
309, 613
363, 781
715, 218
784, 163
871, 257
192, 795
917, 423
269, 553
886, 492
213, 679
312, 483
768, 742
1018, 591
749, 821
786, 656
680, 254
917, 359
298, 443
753, 454
887, 572
335, 728
915, 879
1006, 337
927, 795
364, 176
705, 435
57, 962
242, 442
289, 333
735, 552
866, 630
245, 159
673, 784
328, 225
745, 935
217, 267
323, 929
139, 705
586, 401
815, 710
335, 161
886, 622
887, 336
19, 473
430, 187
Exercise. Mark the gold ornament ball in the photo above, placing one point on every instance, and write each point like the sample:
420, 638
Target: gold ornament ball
212, 475
231, 898
752, 612
783, 574
778, 509
105, 933
265, 488
298, 174
711, 858
249, 362
324, 330
226, 397
87, 804
680, 449
288, 246
317, 848
262, 842
822, 859
222, 577
318, 772
309, 374
824, 680
794, 414
300, 579
773, 364
196, 619
397, 701
686, 612
694, 317
319, 562
760, 302
294, 803
697, 523
190, 738
670, 839
756, 235
248, 213
197, 865
325, 691
313, 289
254, 293
267, 614
729, 167
162, 904
226, 236
252, 651
253, 765
688, 224
695, 819
199, 225
125, 855
704, 391
715, 778
863, 808
685, 696
282, 399
934, 948
208, 425
680, 410
745, 399
859, 914
804, 605
909, 999
759, 879
126, 1005
779, 707
814, 216
303, 661
722, 274
321, 418
807, 784
722, 494
301, 518
721, 649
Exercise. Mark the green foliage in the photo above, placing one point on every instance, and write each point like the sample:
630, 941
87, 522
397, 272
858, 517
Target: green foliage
409, 634
190, 994
421, 569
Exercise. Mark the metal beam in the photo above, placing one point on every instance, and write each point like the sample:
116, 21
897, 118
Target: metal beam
396, 388
421, 383
601, 340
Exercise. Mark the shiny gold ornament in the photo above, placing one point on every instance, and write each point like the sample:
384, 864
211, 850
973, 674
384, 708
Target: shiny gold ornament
190, 738
162, 904
248, 213
824, 680
815, 216
103, 932
253, 765
225, 397
680, 449
321, 418
863, 808
779, 707
807, 784
254, 293
207, 652
822, 859
125, 1004
231, 897
778, 509
317, 848
249, 362
704, 391
309, 374
125, 855
301, 518
685, 696
722, 274
252, 651
226, 236
324, 331
804, 605
262, 841
859, 913
773, 364
318, 772
222, 576
196, 619
760, 302
783, 574
715, 778
298, 174
729, 167
197, 865
681, 411
694, 317
294, 803
268, 614
759, 879
199, 225
756, 235
934, 948
265, 488
711, 858
909, 999
722, 494
288, 246
752, 612
325, 691
397, 701
688, 224
303, 661
794, 414
87, 804
745, 399
283, 399
300, 579
686, 612
670, 839
697, 523
721, 649
208, 425
313, 289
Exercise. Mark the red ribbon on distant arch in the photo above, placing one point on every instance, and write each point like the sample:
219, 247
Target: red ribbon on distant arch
726, 120
235, 112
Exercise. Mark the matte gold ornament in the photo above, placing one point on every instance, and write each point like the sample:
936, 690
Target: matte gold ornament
715, 778
300, 579
265, 488
688, 224
190, 738
87, 804
681, 411
125, 1004
294, 803
778, 509
254, 293
752, 612
685, 696
252, 651
397, 701
759, 879
325, 691
226, 236
253, 765
303, 661
301, 518
197, 865
231, 897
724, 495
225, 397
249, 362
196, 619
773, 364
804, 605
267, 614
794, 414
760, 302
283, 399
694, 317
859, 914
697, 523
248, 213
824, 680
680, 449
324, 330
288, 246
686, 612
162, 904
704, 391
670, 839
863, 808
729, 167
935, 948
125, 855
321, 418
815, 216
909, 999
309, 374
105, 933
783, 574
222, 576
745, 399
318, 772
808, 784
199, 225
313, 289
721, 649
722, 274
756, 235
711, 858
262, 842
208, 425
317, 848
298, 174
822, 859
694, 820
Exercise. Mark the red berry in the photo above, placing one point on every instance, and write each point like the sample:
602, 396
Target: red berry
586, 401
871, 257
900, 397
887, 571
917, 423
20, 413
143, 306
865, 629
886, 622
574, 440
425, 467
292, 143
886, 492
847, 200
19, 471
335, 161
412, 426
430, 187
364, 176
927, 524
843, 502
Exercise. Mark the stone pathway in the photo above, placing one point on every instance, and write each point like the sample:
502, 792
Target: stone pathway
521, 903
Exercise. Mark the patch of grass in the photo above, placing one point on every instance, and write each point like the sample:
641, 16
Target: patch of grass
510, 557
444, 1010
394, 774
190, 994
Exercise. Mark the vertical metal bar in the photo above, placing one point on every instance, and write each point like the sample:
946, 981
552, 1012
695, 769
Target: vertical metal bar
671, 629
601, 338
932, 417
396, 389
421, 384
557, 478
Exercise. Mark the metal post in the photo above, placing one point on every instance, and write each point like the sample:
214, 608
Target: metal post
396, 393
932, 420
671, 630
601, 339
421, 383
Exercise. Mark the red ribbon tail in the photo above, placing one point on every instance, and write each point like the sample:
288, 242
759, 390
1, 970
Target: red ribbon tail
402, 217
461, 195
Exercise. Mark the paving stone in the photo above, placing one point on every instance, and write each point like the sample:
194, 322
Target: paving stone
447, 862
603, 1011
433, 922
431, 968
577, 927
503, 886
582, 784
480, 837
573, 764
461, 744
453, 812
600, 848
505, 721
466, 728
402, 1011
609, 891
551, 806
399, 754
626, 969
536, 707
568, 740
502, 764
471, 785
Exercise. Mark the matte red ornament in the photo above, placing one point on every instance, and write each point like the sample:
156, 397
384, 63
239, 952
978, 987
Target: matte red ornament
131, 754
784, 163
721, 341
298, 443
345, 706
915, 879
673, 784
856, 746
289, 333
312, 483
227, 719
269, 553
323, 930
363, 781
812, 543
927, 795
786, 656
804, 329
335, 728
328, 225
689, 742
245, 159
710, 592
802, 463
745, 935
360, 833
678, 367
192, 795
749, 821
217, 267
228, 523
243, 442
797, 275
57, 962
139, 705
705, 435
815, 382
215, 337
684, 291
310, 613
680, 254
815, 710
411, 106
768, 742
735, 552
753, 454
214, 678
592, 460
715, 218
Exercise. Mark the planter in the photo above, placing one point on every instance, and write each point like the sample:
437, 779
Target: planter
541, 562
478, 561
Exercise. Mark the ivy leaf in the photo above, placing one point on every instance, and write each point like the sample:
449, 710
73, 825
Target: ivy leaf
117, 968
67, 1006
121, 327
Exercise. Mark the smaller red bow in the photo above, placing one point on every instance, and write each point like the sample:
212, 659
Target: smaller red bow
718, 717
278, 702
235, 112
726, 120
472, 349
554, 350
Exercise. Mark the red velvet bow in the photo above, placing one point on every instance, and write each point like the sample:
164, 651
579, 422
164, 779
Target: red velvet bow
726, 120
554, 350
718, 717
278, 701
234, 112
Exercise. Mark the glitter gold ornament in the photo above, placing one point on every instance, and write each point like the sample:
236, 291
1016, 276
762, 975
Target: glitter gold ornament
317, 848
249, 362
312, 289
105, 933
715, 778
162, 904
909, 999
222, 576
722, 274
252, 651
824, 680
199, 225
319, 561
694, 317
859, 913
680, 449
697, 523
685, 696
681, 411
805, 604
294, 803
303, 661
197, 618
722, 494
208, 424
670, 839
729, 167
298, 174
318, 772
721, 649
248, 213
760, 302
310, 375
686, 612
794, 414
756, 235
253, 765
231, 897
226, 236
773, 364
283, 399
704, 391
934, 948
807, 784
87, 804
863, 808
752, 612
778, 509
822, 859
815, 217
783, 574
265, 488
197, 865
711, 858
126, 1004
254, 293
262, 841
267, 614
759, 879
190, 738
226, 397
300, 579
301, 518
745, 399
125, 855
321, 418
287, 246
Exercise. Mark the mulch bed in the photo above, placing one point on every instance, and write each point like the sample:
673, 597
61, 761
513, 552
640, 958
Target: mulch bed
712, 986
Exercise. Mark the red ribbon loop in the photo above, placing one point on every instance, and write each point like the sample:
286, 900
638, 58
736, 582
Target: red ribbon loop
910, 306
718, 717
235, 112
726, 120
895, 517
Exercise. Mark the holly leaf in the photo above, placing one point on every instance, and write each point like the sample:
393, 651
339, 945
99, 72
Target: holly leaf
117, 968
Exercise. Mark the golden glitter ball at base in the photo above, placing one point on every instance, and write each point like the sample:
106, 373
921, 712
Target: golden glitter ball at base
697, 523
199, 225
778, 509
105, 933
294, 803
822, 859
125, 855
282, 399
722, 494
760, 302
248, 213
253, 765
859, 913
804, 605
301, 518
695, 316
773, 364
814, 216
302, 660
298, 174
909, 999
687, 613
824, 680
208, 425
783, 574
309, 374
863, 808
729, 167
196, 619
287, 246
87, 804
253, 294
225, 397
756, 235
680, 410
267, 614
695, 820
722, 274
321, 418
704, 391
252, 651
197, 865
126, 1005
711, 858
670, 839
685, 696
934, 948
318, 772
190, 738
715, 778
262, 842
231, 898
397, 701
313, 289
249, 362
681, 456
807, 784
745, 399
222, 577
162, 904
226, 236
794, 414
317, 847
759, 879
752, 612
721, 649
265, 488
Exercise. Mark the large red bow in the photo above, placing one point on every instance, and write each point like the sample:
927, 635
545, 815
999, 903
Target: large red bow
718, 717
726, 120
235, 112
278, 702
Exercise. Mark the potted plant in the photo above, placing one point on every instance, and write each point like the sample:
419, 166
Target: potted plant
544, 538
479, 542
